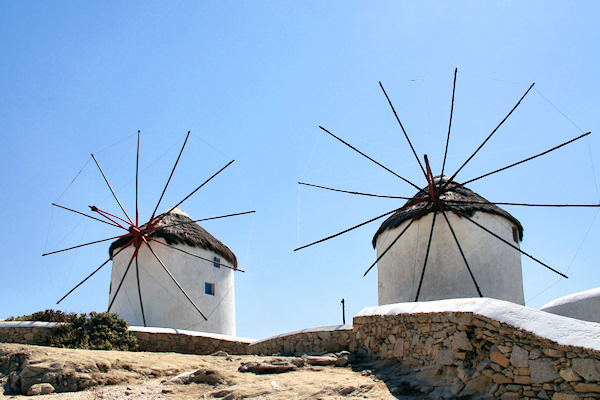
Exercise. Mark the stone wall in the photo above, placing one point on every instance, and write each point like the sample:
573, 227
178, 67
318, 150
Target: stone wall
486, 355
326, 339
149, 339
26, 332
188, 342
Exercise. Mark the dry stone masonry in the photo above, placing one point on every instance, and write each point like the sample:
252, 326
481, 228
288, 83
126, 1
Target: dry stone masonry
327, 339
486, 355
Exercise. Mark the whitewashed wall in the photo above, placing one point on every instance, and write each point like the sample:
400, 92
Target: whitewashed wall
496, 266
164, 304
583, 305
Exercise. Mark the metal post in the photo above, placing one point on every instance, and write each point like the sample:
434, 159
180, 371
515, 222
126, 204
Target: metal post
343, 312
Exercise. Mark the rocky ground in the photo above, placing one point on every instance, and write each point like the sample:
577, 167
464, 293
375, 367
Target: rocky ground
87, 375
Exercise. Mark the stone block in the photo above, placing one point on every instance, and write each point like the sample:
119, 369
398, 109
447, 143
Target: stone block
542, 371
581, 387
519, 357
445, 357
550, 352
569, 375
501, 379
476, 386
460, 341
587, 368
40, 388
564, 396
499, 359
522, 380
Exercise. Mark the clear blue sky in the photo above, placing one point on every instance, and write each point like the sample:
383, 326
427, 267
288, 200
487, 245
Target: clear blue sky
253, 81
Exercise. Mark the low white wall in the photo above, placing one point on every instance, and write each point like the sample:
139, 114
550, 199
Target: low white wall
583, 305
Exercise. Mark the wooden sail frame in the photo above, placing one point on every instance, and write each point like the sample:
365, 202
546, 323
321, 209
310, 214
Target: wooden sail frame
141, 234
434, 191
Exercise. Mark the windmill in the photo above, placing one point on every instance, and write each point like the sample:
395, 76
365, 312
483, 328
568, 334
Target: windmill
442, 211
170, 249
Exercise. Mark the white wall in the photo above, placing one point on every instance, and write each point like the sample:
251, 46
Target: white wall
583, 305
164, 304
495, 265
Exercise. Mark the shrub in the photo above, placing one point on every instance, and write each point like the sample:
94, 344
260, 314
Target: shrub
96, 331
46, 316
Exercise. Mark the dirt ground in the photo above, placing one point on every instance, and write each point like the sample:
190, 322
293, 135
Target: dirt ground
130, 375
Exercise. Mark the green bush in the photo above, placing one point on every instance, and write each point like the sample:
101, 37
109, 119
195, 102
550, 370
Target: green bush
96, 331
46, 316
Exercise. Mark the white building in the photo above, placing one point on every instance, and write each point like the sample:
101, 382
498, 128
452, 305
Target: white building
209, 282
496, 267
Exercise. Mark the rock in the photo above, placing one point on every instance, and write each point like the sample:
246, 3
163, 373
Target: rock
586, 387
321, 360
564, 396
569, 375
347, 390
587, 368
476, 386
208, 376
399, 349
445, 357
499, 359
220, 354
40, 388
500, 379
460, 341
522, 380
535, 354
542, 371
220, 394
519, 357
269, 367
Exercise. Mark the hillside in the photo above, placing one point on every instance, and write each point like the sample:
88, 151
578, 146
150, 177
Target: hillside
130, 375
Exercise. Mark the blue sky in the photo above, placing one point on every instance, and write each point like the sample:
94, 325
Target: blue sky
253, 81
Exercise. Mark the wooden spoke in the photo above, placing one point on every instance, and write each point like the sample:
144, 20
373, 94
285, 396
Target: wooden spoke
111, 190
527, 159
426, 256
461, 252
489, 136
85, 244
370, 159
449, 124
347, 230
85, 215
194, 255
358, 193
134, 256
511, 245
90, 275
402, 127
173, 279
170, 176
137, 175
520, 204
416, 217
137, 274
205, 182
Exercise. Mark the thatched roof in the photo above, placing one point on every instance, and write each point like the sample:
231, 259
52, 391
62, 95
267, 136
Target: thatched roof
456, 198
179, 229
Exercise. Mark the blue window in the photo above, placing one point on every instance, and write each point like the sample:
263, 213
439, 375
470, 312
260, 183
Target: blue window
217, 262
209, 288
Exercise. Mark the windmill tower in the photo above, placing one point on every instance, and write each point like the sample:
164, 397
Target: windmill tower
473, 250
427, 264
164, 268
144, 293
